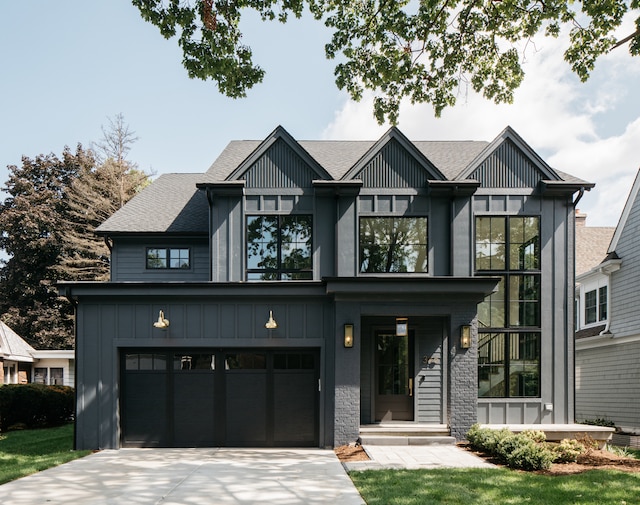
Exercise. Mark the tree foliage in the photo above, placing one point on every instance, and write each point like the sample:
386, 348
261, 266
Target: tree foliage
423, 50
47, 225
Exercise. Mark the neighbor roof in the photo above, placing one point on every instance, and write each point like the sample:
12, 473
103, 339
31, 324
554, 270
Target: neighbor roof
13, 347
592, 243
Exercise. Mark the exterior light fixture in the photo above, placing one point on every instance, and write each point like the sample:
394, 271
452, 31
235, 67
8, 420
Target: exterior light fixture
271, 323
402, 327
465, 336
348, 335
161, 323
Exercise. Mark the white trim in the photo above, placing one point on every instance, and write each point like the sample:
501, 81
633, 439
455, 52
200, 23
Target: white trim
604, 340
54, 354
625, 213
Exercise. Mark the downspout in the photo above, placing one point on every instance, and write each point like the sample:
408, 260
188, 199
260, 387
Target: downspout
209, 194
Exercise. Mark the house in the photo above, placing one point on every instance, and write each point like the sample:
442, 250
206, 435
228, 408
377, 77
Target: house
608, 331
300, 290
21, 363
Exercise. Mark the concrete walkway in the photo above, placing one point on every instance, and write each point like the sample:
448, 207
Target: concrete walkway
190, 476
417, 456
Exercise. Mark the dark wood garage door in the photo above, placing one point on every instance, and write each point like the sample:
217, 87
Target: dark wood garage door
187, 398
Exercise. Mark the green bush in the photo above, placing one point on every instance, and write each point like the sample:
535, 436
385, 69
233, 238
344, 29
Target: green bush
531, 456
537, 436
486, 439
567, 451
35, 406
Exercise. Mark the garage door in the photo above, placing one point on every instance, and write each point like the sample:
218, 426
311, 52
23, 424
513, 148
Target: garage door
191, 398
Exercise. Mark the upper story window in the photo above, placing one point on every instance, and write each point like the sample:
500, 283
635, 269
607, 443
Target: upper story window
393, 244
279, 247
595, 305
167, 258
509, 320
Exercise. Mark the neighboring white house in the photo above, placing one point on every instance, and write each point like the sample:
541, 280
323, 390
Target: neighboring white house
608, 320
21, 363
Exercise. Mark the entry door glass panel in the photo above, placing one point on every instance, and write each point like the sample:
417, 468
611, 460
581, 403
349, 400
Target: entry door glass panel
394, 377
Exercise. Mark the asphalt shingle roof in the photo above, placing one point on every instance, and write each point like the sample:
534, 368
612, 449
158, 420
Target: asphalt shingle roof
171, 204
12, 346
592, 243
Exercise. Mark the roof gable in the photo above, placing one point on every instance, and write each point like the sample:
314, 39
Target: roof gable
632, 200
12, 346
279, 162
394, 162
509, 162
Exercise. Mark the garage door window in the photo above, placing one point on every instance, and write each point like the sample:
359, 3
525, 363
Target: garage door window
293, 361
194, 361
144, 361
245, 361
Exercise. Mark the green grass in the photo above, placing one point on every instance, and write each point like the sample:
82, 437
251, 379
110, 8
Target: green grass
496, 486
30, 451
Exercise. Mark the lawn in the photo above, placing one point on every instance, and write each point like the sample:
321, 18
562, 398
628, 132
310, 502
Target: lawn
30, 451
489, 486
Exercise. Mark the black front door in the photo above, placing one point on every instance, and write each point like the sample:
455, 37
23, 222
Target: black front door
394, 377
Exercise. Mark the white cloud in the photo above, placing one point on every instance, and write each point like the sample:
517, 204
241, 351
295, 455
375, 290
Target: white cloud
554, 112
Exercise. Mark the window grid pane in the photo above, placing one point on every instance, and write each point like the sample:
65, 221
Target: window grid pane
602, 303
590, 307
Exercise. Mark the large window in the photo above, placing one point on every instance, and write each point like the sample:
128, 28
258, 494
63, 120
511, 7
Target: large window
167, 258
393, 244
279, 248
509, 319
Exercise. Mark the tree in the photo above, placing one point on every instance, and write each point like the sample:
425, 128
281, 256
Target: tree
422, 50
32, 229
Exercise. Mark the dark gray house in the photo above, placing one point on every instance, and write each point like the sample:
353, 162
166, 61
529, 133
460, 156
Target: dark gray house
300, 289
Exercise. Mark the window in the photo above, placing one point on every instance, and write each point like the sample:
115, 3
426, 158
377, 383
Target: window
167, 258
509, 319
40, 375
393, 244
49, 376
279, 248
595, 305
56, 376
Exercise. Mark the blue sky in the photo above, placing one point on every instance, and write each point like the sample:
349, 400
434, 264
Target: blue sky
68, 66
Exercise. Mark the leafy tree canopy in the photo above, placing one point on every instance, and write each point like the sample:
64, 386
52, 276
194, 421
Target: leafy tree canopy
421, 50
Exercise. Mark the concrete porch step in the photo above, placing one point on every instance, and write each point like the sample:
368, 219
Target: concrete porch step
405, 434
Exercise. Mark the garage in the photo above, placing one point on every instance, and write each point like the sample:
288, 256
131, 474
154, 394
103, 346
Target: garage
219, 397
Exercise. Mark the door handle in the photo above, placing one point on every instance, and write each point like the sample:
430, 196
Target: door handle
410, 387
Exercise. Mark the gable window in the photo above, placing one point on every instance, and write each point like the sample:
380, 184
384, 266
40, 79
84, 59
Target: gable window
509, 319
279, 247
595, 305
393, 244
158, 258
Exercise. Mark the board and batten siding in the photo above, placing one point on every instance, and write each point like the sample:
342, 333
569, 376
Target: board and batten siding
129, 260
428, 378
608, 383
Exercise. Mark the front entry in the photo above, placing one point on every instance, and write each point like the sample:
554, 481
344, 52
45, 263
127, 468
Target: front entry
394, 377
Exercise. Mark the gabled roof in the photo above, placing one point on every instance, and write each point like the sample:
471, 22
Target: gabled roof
592, 243
633, 194
394, 134
171, 204
13, 347
509, 134
278, 134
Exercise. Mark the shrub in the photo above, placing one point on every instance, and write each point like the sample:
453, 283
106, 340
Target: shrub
537, 436
35, 405
531, 456
486, 439
567, 451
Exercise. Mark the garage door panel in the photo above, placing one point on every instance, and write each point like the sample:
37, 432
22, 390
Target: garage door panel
145, 415
194, 405
246, 408
295, 412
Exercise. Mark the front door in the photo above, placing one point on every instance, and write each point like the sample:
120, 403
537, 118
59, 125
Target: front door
394, 377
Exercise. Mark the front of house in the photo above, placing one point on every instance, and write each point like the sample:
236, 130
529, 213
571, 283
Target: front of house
300, 289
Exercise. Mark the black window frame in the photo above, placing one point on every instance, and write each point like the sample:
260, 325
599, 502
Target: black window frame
362, 247
280, 272
519, 297
168, 258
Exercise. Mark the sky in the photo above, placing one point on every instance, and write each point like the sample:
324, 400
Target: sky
69, 66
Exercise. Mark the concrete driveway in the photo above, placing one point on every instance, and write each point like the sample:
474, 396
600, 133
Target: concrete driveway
190, 476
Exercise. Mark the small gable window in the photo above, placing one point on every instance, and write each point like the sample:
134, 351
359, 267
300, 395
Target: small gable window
393, 244
595, 305
160, 258
279, 248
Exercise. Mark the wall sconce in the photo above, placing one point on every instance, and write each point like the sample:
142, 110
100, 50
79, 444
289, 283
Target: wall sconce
465, 336
402, 327
271, 323
348, 335
161, 323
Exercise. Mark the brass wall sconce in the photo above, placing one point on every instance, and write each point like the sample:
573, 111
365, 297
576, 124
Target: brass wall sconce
465, 336
271, 323
161, 323
402, 327
348, 335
